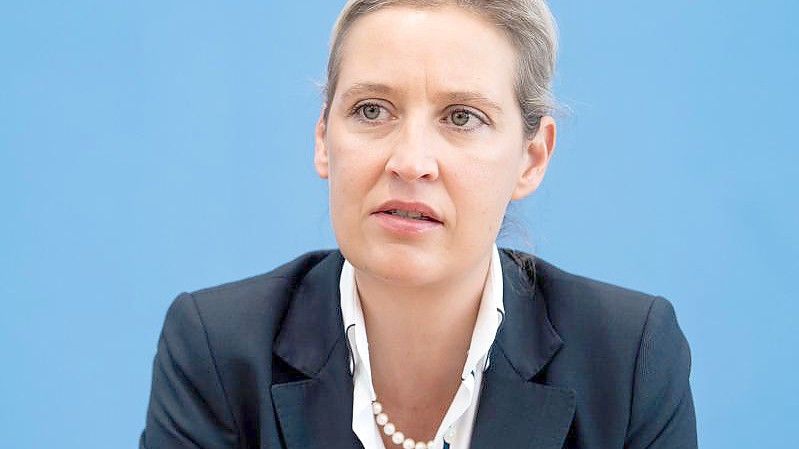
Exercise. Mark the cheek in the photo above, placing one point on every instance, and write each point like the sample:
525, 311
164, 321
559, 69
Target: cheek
353, 168
481, 189
479, 207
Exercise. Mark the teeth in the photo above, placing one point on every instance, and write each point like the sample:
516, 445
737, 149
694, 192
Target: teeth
407, 214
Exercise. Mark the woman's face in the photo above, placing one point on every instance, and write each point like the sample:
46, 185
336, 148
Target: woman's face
425, 111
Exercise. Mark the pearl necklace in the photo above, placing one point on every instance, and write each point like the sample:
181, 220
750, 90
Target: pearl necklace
398, 437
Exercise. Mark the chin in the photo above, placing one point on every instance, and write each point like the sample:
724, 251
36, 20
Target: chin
400, 264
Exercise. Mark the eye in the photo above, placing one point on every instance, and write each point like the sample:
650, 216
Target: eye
466, 120
460, 118
369, 112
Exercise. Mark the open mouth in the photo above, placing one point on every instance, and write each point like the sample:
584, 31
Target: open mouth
409, 214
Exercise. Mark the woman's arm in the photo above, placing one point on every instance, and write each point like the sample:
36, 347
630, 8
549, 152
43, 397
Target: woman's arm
662, 414
188, 407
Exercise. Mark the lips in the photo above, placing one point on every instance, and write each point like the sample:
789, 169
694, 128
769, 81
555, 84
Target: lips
427, 212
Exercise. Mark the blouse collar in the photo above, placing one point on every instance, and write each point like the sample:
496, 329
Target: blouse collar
489, 317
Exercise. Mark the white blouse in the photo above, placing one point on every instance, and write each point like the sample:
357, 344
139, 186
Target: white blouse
457, 425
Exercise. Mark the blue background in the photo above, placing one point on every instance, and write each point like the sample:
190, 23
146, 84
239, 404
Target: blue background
148, 148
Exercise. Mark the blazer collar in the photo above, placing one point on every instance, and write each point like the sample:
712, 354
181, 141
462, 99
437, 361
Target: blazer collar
316, 411
514, 410
527, 337
313, 325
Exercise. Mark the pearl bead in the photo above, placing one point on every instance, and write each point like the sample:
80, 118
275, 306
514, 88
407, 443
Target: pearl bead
398, 438
382, 419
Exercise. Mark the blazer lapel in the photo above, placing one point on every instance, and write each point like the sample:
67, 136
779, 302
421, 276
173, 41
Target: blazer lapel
514, 410
316, 411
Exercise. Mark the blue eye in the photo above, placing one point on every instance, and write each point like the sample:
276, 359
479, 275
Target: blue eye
367, 112
370, 111
461, 117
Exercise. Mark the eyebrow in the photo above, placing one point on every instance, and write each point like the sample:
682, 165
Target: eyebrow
467, 96
471, 96
366, 87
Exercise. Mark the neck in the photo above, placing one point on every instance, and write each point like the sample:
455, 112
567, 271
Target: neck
410, 327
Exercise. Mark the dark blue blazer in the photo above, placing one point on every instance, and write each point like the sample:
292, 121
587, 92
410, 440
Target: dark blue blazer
577, 363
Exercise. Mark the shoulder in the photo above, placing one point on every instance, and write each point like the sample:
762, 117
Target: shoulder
613, 320
255, 303
566, 290
262, 287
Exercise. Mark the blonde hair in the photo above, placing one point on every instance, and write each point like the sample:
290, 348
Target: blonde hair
528, 24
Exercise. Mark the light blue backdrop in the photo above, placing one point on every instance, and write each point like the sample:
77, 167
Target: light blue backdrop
152, 147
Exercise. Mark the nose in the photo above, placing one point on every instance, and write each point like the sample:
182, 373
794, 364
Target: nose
412, 156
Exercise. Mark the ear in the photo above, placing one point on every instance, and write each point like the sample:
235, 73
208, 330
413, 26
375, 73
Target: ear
320, 158
535, 160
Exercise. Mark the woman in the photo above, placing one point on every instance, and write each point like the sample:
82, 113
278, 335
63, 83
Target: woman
418, 332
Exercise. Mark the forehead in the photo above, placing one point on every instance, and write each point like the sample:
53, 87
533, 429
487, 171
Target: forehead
427, 51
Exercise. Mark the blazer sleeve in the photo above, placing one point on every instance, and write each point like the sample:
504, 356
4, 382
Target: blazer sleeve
662, 414
187, 406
